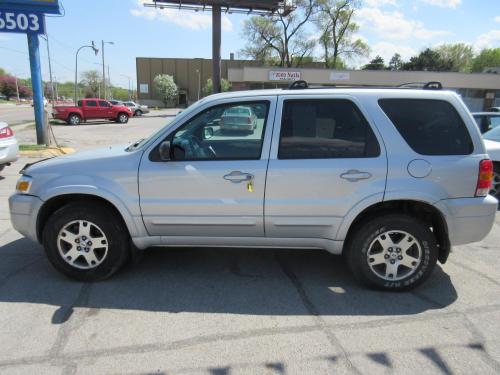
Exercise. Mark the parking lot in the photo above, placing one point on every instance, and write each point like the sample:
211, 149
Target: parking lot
233, 311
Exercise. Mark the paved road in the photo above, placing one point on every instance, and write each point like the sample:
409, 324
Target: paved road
227, 311
14, 115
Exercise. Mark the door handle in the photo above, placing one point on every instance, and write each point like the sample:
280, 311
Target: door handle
237, 176
354, 175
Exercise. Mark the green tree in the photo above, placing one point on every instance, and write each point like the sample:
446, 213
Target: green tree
459, 54
428, 60
3, 72
280, 37
335, 22
91, 81
376, 64
396, 62
209, 86
166, 87
487, 58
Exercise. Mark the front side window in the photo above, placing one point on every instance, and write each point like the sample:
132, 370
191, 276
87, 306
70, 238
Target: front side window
224, 132
103, 103
91, 103
323, 129
430, 127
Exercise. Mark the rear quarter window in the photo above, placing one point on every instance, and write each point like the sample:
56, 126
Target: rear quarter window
430, 127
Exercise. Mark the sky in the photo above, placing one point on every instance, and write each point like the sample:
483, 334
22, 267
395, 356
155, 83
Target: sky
388, 26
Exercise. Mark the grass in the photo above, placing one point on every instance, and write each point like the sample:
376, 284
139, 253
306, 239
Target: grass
32, 147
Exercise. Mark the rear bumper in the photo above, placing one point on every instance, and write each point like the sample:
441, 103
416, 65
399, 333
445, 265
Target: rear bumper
468, 219
9, 151
23, 214
237, 127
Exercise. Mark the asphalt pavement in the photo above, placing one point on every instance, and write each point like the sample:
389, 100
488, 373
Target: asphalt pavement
16, 114
233, 311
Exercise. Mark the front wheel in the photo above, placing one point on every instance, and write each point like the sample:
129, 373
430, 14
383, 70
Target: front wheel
138, 113
122, 118
86, 242
392, 252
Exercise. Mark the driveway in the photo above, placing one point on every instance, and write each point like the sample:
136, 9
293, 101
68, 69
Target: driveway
231, 311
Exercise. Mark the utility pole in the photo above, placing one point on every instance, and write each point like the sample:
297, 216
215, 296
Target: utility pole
17, 88
216, 41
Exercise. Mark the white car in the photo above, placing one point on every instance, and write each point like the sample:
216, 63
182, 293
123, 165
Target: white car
492, 143
9, 148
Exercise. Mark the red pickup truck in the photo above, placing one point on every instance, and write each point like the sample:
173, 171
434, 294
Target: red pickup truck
91, 109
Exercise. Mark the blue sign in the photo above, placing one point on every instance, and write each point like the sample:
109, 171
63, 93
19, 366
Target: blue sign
41, 6
12, 21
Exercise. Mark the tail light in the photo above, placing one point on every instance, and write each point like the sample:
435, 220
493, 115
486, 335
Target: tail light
6, 132
485, 178
249, 120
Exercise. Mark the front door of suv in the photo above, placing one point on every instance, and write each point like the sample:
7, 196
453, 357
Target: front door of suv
324, 160
214, 183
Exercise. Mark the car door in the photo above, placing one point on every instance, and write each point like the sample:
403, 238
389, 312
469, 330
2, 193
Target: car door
105, 109
91, 109
325, 159
213, 184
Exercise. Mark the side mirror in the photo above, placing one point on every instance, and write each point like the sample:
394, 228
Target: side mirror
208, 132
165, 150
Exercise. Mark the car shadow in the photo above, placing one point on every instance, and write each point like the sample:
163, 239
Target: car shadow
242, 281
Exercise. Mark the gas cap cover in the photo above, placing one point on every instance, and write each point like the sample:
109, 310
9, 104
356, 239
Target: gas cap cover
419, 168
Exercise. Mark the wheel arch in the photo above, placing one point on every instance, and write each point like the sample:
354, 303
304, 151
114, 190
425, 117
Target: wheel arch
423, 211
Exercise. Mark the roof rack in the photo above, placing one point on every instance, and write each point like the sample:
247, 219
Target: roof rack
431, 85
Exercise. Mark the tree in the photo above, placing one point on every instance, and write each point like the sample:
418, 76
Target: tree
3, 72
334, 21
208, 88
8, 87
166, 87
487, 58
91, 80
376, 64
428, 60
459, 54
396, 62
280, 38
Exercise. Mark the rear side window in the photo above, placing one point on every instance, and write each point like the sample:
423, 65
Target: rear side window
324, 129
91, 103
430, 127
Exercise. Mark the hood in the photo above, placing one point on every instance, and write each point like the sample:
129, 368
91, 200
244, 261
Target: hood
83, 159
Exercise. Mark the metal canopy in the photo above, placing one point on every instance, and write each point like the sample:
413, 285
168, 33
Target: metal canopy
259, 7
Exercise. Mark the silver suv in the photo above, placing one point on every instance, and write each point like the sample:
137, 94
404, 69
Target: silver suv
390, 178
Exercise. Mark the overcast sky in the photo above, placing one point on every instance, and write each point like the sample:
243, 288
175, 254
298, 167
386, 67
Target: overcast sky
388, 26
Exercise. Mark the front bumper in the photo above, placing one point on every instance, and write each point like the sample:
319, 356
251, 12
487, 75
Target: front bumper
23, 214
9, 151
468, 219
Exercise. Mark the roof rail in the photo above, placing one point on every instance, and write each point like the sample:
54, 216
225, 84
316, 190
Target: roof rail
431, 85
298, 85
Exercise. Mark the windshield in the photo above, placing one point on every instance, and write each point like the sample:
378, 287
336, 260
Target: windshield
181, 115
493, 134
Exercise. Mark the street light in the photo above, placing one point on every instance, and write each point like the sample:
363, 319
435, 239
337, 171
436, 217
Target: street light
96, 51
126, 76
103, 67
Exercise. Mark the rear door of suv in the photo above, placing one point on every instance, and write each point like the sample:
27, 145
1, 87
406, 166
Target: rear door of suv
326, 157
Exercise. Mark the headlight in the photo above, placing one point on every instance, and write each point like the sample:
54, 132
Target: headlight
23, 185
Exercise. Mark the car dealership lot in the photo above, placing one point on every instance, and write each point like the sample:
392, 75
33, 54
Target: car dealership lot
224, 311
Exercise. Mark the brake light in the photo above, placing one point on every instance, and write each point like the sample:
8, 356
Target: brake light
6, 132
485, 178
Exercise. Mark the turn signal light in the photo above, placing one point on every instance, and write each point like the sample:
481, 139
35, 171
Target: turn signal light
485, 178
6, 132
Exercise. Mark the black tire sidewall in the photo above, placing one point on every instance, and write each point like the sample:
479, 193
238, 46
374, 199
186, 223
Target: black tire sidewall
118, 250
368, 231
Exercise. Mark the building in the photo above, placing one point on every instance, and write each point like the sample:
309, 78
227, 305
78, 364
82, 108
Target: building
478, 90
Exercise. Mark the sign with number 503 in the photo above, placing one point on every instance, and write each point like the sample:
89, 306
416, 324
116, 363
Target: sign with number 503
21, 22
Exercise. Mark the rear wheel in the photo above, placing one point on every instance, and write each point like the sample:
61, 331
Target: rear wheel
86, 242
74, 119
392, 252
122, 118
495, 186
138, 112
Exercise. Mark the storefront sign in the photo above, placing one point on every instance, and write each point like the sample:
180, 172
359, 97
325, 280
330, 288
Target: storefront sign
284, 75
339, 76
21, 22
144, 88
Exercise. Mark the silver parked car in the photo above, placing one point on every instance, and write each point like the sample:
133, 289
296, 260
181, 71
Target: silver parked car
9, 148
390, 178
137, 109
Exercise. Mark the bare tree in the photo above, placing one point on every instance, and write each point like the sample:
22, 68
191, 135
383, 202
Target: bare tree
337, 29
280, 39
92, 80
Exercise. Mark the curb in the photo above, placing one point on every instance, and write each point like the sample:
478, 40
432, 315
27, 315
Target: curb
47, 153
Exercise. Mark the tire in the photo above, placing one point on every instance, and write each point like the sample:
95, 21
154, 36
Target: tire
376, 249
122, 118
495, 188
138, 113
74, 119
65, 233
